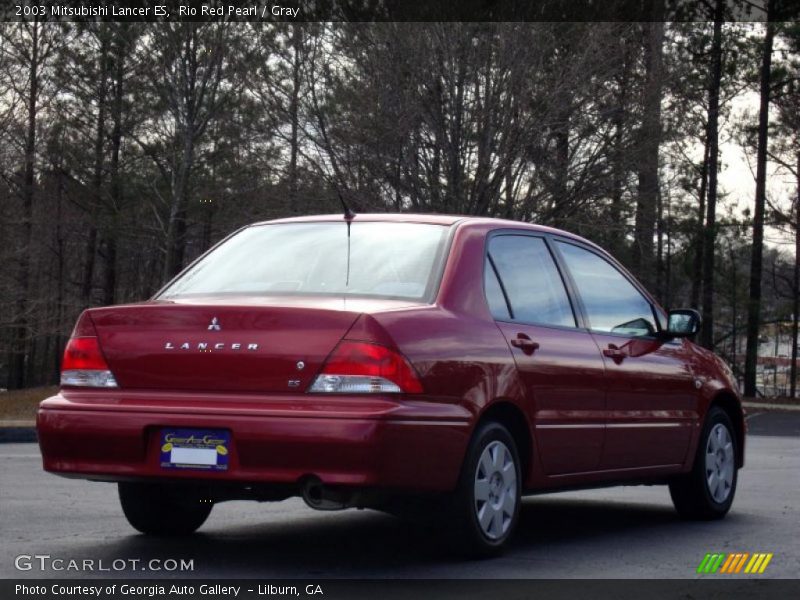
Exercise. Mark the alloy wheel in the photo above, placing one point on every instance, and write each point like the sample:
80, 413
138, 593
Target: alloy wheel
495, 490
719, 463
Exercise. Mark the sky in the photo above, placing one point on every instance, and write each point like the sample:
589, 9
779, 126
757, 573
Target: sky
737, 176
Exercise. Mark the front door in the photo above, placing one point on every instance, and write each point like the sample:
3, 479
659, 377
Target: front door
559, 364
652, 401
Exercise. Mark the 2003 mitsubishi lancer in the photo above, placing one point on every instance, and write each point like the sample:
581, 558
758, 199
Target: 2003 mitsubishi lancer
376, 360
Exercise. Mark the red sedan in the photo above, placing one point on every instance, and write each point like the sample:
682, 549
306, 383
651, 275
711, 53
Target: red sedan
390, 360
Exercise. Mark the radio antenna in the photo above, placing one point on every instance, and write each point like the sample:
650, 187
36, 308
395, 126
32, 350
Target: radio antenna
349, 215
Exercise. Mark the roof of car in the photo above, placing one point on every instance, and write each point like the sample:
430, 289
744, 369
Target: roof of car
431, 218
393, 217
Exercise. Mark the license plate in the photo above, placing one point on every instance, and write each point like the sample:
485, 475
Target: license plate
204, 449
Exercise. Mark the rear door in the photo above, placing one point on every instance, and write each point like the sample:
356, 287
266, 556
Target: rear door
652, 402
559, 362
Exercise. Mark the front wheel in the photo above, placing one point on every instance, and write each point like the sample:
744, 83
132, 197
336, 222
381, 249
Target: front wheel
157, 509
707, 491
487, 500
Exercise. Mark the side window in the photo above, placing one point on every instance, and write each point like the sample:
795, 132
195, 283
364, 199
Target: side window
494, 293
612, 303
531, 280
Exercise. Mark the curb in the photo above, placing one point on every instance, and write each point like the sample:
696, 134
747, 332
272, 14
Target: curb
768, 406
13, 434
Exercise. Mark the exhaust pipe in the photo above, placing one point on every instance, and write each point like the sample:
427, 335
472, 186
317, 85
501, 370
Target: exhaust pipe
321, 497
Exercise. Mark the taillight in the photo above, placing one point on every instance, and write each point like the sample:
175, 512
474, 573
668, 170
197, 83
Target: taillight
362, 367
84, 364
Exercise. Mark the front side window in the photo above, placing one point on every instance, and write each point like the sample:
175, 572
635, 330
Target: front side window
611, 301
531, 280
394, 260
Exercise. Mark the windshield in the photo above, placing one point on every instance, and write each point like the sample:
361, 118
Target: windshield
393, 260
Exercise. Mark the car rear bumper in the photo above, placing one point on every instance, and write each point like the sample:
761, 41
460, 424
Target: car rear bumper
354, 441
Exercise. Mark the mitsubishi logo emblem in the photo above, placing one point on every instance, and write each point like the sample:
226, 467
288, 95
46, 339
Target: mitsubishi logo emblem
214, 325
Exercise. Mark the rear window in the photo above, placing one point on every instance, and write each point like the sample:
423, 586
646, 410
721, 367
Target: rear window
389, 260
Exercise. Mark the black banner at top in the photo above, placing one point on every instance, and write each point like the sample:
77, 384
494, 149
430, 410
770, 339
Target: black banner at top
397, 10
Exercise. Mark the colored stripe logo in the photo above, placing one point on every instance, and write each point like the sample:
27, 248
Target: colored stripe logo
737, 562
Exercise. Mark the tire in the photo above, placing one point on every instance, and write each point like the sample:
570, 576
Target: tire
707, 492
163, 510
485, 507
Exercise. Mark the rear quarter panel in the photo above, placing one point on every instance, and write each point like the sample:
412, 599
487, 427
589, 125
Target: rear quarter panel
455, 345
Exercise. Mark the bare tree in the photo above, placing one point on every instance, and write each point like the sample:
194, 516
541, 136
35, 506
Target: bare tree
649, 143
188, 64
785, 153
29, 47
712, 171
754, 304
161, 138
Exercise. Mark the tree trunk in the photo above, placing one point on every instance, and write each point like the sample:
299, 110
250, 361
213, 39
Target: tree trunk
454, 198
561, 156
754, 302
796, 307
209, 205
710, 238
110, 272
660, 268
649, 141
176, 228
16, 370
97, 177
667, 299
110, 276
734, 311
697, 262
617, 238
90, 251
294, 111
58, 342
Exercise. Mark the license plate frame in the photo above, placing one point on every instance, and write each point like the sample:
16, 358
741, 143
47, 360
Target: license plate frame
194, 449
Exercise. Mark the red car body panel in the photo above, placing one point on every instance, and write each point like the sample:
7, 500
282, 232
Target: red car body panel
588, 418
342, 442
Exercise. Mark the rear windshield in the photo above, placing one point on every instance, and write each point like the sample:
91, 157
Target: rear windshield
390, 260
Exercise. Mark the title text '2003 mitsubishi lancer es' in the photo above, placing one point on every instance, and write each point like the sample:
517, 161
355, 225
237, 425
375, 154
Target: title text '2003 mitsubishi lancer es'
386, 360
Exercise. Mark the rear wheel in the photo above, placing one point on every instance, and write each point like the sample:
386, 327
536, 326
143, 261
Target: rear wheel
487, 500
158, 509
707, 491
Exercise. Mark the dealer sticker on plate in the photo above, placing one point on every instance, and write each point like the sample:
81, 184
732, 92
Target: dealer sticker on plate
205, 449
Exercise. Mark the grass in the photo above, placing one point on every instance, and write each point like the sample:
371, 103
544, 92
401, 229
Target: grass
22, 404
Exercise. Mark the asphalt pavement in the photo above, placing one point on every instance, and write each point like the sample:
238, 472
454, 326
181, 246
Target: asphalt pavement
625, 532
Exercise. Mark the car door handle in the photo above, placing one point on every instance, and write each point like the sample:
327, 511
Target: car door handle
615, 353
526, 344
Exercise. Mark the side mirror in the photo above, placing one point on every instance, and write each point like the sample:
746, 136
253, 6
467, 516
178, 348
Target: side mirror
683, 322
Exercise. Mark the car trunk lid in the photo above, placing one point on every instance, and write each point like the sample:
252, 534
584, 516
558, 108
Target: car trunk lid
217, 345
